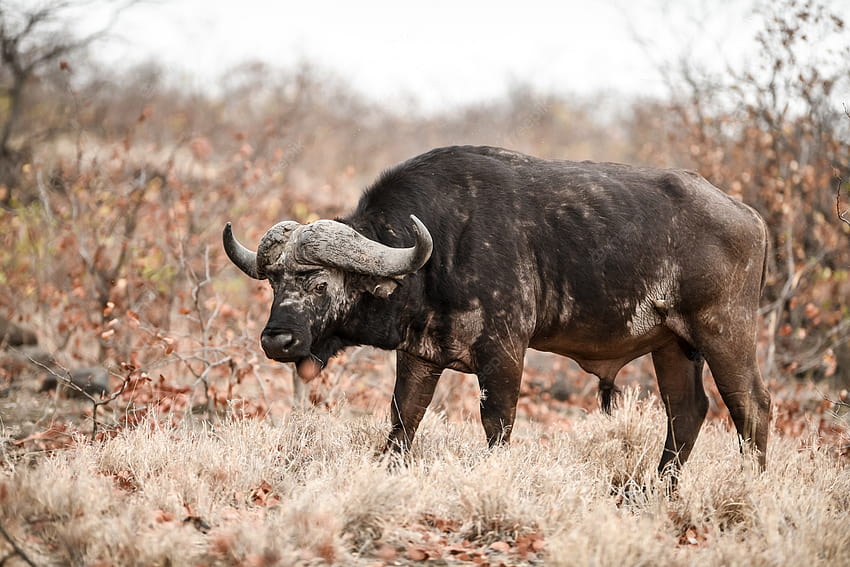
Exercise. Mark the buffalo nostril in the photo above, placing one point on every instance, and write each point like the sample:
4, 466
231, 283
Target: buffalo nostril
277, 345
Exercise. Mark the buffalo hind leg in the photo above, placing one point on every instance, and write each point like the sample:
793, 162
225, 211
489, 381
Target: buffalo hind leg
499, 381
415, 382
678, 369
738, 379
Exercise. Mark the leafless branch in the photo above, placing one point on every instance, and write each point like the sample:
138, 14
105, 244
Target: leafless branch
34, 46
42, 194
774, 309
64, 377
813, 357
842, 214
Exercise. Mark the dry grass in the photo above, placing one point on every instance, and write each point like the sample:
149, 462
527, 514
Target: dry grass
312, 491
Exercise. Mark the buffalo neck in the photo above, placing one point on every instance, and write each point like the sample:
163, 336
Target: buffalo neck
376, 321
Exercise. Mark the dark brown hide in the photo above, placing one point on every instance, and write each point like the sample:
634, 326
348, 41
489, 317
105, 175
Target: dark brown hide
599, 262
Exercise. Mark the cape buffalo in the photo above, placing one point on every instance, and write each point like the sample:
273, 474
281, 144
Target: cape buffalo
463, 257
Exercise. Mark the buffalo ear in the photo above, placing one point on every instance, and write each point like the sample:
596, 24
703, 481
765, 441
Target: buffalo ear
376, 285
384, 288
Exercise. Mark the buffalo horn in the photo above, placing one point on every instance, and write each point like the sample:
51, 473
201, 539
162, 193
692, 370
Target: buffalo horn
338, 245
244, 259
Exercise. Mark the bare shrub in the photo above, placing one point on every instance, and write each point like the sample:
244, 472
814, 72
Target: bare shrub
221, 494
771, 134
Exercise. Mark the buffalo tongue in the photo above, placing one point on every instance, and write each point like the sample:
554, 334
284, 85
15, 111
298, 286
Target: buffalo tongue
308, 368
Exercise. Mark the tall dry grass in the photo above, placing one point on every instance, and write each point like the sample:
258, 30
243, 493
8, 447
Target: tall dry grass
313, 490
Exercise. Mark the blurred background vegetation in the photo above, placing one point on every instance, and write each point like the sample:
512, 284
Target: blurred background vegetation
115, 184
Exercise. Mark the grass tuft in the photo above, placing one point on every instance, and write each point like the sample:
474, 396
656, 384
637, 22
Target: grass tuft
315, 490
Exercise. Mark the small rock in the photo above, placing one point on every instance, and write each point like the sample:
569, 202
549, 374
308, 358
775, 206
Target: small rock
561, 390
24, 363
32, 355
15, 335
93, 380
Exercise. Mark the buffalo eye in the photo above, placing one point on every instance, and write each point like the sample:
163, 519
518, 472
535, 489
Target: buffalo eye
320, 288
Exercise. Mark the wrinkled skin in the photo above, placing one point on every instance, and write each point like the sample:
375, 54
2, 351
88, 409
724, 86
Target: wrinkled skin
308, 315
598, 262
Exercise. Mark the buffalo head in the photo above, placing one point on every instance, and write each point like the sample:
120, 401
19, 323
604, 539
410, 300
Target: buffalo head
317, 272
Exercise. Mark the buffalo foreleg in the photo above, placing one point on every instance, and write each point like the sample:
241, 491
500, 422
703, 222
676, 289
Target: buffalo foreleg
678, 368
415, 382
499, 381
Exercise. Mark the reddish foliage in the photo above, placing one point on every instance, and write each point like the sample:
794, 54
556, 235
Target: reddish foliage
55, 436
262, 495
110, 246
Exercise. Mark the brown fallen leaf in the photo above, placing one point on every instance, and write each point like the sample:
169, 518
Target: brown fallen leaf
416, 554
161, 516
259, 494
386, 552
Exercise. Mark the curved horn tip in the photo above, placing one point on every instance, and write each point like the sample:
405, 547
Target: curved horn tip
244, 259
420, 227
425, 244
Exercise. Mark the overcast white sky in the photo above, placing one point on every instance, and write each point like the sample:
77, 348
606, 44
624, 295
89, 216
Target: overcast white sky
441, 52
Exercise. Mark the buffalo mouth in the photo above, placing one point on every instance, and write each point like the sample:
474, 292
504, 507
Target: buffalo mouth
309, 367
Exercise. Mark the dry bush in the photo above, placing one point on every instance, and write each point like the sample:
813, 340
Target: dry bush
313, 489
628, 437
774, 134
110, 248
110, 252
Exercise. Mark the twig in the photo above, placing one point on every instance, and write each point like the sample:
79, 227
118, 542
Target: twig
775, 308
842, 215
259, 380
65, 378
812, 357
42, 193
15, 549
